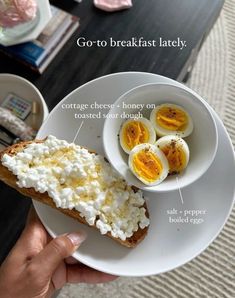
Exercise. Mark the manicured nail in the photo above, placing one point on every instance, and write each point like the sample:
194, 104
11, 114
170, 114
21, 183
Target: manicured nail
77, 238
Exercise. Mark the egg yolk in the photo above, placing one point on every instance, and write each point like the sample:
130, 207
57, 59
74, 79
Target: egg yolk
172, 118
147, 165
135, 133
176, 157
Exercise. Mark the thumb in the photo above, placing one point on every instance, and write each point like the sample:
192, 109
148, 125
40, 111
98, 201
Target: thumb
56, 251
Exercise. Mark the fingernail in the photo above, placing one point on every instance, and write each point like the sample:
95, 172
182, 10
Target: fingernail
77, 238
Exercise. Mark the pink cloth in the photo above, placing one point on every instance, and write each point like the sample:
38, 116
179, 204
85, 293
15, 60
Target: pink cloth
113, 5
15, 12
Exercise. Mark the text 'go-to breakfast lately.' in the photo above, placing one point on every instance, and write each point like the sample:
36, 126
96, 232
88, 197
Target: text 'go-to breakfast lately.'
133, 42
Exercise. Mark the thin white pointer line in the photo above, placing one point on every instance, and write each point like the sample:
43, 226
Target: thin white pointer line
78, 132
178, 184
73, 139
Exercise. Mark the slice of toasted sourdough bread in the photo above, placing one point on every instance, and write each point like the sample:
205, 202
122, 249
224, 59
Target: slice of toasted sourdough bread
10, 179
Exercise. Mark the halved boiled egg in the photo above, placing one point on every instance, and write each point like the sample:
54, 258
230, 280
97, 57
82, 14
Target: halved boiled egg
176, 151
148, 164
171, 119
136, 131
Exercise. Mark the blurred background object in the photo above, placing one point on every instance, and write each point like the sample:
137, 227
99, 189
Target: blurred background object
22, 20
16, 12
22, 110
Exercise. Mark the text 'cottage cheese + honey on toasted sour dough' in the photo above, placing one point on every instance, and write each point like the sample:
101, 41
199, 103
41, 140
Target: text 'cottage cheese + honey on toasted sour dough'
75, 178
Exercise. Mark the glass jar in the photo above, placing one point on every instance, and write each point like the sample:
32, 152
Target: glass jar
17, 18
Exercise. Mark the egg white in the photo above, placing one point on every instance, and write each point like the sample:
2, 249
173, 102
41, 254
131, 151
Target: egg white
146, 123
157, 152
166, 140
161, 131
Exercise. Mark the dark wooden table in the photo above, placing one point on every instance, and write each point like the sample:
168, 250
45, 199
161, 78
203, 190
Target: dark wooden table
191, 20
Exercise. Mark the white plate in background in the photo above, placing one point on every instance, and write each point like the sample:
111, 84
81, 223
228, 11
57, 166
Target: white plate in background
10, 83
166, 246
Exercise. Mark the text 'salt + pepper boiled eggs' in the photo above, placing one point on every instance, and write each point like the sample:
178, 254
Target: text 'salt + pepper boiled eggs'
136, 131
176, 151
171, 119
148, 164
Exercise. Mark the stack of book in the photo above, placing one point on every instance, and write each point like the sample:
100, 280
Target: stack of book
39, 53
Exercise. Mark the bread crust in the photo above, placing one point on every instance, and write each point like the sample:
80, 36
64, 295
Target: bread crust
10, 179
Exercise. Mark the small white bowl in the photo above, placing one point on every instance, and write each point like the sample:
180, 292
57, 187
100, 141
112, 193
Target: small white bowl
10, 83
202, 142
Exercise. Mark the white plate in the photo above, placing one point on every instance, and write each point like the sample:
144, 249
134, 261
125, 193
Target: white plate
44, 15
166, 246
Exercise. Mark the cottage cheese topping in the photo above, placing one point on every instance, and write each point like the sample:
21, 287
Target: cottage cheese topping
76, 178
